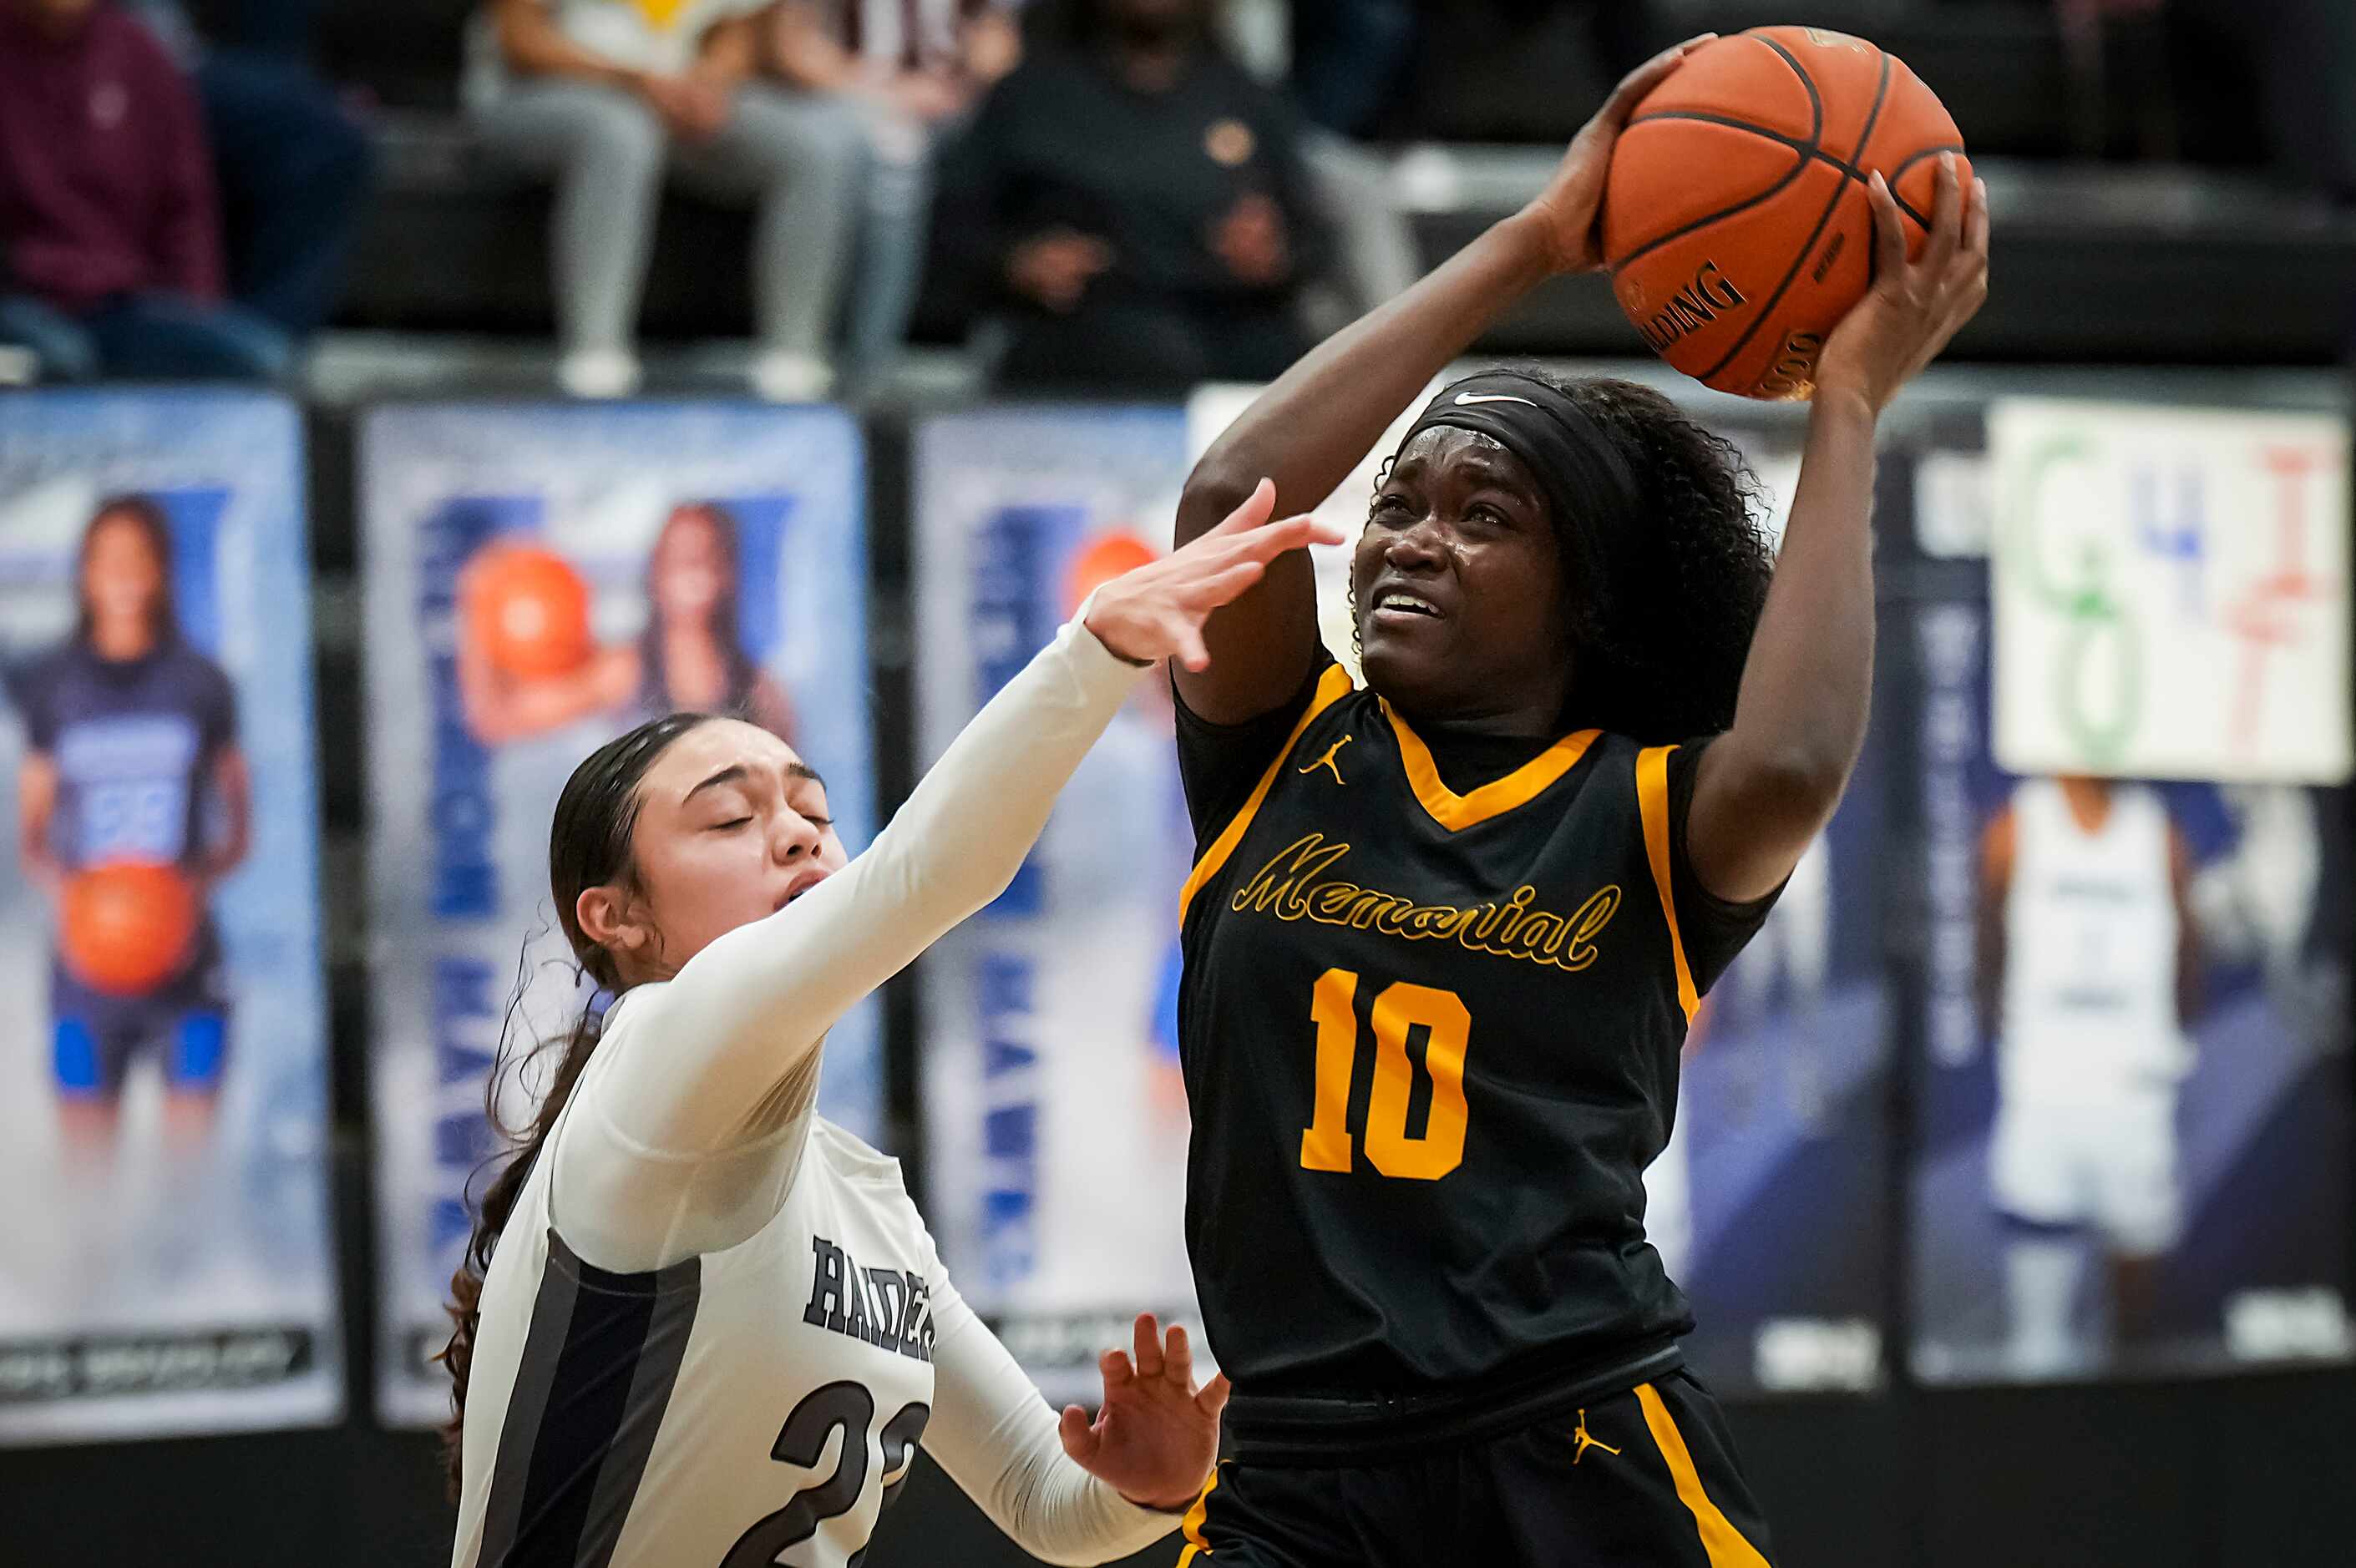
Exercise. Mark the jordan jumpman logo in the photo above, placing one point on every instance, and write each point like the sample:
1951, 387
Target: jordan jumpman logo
1327, 761
1580, 1435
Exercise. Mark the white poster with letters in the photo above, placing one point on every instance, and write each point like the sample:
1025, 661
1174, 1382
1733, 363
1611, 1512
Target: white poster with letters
2170, 592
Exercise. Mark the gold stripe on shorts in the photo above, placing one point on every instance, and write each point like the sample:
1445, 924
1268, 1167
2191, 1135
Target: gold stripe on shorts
1192, 1525
1723, 1544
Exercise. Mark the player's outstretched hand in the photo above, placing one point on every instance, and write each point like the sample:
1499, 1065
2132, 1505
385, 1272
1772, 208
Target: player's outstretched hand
1157, 1435
1570, 210
1156, 611
1914, 307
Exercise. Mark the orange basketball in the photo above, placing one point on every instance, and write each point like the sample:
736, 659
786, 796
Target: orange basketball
1100, 560
128, 926
1735, 223
529, 611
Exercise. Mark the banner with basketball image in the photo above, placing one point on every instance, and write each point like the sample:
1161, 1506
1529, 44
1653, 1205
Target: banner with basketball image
167, 1264
1056, 1114
539, 580
2135, 1093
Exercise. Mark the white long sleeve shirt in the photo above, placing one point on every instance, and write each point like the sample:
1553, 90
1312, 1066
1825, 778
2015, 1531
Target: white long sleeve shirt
715, 1325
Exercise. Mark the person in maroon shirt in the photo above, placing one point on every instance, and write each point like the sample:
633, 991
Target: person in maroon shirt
110, 229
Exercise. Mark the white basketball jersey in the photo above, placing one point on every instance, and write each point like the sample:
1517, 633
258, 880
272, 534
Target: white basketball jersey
742, 1408
2090, 948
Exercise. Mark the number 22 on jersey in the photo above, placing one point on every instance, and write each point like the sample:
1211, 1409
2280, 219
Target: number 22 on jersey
1325, 1143
848, 1408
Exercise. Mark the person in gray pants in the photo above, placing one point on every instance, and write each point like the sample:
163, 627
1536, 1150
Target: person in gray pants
608, 101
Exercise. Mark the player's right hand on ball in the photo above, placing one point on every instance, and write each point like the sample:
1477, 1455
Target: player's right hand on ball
1914, 307
1157, 611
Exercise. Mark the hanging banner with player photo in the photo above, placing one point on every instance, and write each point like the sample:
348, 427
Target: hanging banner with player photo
165, 1259
2134, 1109
1055, 1110
2171, 593
539, 581
1770, 1206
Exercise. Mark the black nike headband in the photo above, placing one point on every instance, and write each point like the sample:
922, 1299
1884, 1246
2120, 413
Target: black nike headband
1585, 476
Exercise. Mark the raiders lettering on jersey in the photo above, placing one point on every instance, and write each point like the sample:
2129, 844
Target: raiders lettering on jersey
888, 1309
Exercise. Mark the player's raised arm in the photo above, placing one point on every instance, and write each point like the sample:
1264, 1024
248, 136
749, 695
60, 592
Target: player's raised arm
1767, 787
1310, 429
722, 1058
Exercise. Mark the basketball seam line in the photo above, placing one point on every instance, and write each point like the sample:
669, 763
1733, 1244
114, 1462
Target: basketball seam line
1903, 206
1816, 136
1810, 152
1814, 145
1872, 119
1808, 83
1799, 166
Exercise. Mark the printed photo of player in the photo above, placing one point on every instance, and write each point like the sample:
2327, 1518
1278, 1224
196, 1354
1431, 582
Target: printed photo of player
528, 664
1050, 1020
133, 802
163, 1083
2138, 1043
539, 581
2088, 962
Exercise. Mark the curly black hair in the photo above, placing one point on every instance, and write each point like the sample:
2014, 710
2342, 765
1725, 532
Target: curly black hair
1663, 622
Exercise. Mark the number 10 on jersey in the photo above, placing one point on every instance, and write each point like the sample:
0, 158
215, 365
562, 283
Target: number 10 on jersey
1325, 1143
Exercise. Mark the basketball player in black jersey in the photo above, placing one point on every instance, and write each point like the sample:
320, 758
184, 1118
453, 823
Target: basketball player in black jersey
1446, 932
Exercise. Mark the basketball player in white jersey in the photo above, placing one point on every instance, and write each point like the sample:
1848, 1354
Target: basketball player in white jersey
702, 1327
2086, 964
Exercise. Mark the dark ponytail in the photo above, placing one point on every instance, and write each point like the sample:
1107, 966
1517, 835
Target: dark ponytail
588, 846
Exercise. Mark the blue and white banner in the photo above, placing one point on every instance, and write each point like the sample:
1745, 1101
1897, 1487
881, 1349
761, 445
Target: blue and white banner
2134, 1112
539, 579
165, 1259
1055, 1110
1771, 1205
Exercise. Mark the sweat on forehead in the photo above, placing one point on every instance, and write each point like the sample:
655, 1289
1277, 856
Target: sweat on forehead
1432, 438
1577, 466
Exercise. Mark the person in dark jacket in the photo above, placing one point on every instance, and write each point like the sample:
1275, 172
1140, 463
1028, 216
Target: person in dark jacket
1138, 206
296, 168
111, 257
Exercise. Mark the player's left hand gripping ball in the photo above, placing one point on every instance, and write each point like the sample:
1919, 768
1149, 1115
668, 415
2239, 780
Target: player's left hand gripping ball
1157, 1435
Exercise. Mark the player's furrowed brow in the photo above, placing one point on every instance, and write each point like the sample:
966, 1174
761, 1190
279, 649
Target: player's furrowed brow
733, 774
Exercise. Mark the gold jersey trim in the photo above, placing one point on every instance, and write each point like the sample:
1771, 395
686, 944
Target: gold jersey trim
1653, 805
1332, 687
1457, 812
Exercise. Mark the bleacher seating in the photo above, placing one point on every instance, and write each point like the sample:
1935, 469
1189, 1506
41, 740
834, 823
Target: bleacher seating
2104, 262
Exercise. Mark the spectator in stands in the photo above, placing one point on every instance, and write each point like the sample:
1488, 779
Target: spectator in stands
1347, 58
607, 96
108, 217
912, 69
1141, 205
1375, 255
294, 170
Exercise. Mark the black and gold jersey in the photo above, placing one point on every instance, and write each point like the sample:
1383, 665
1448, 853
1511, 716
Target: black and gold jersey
1431, 1041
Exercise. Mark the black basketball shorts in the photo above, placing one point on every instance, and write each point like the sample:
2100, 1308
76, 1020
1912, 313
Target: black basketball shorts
1642, 1478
